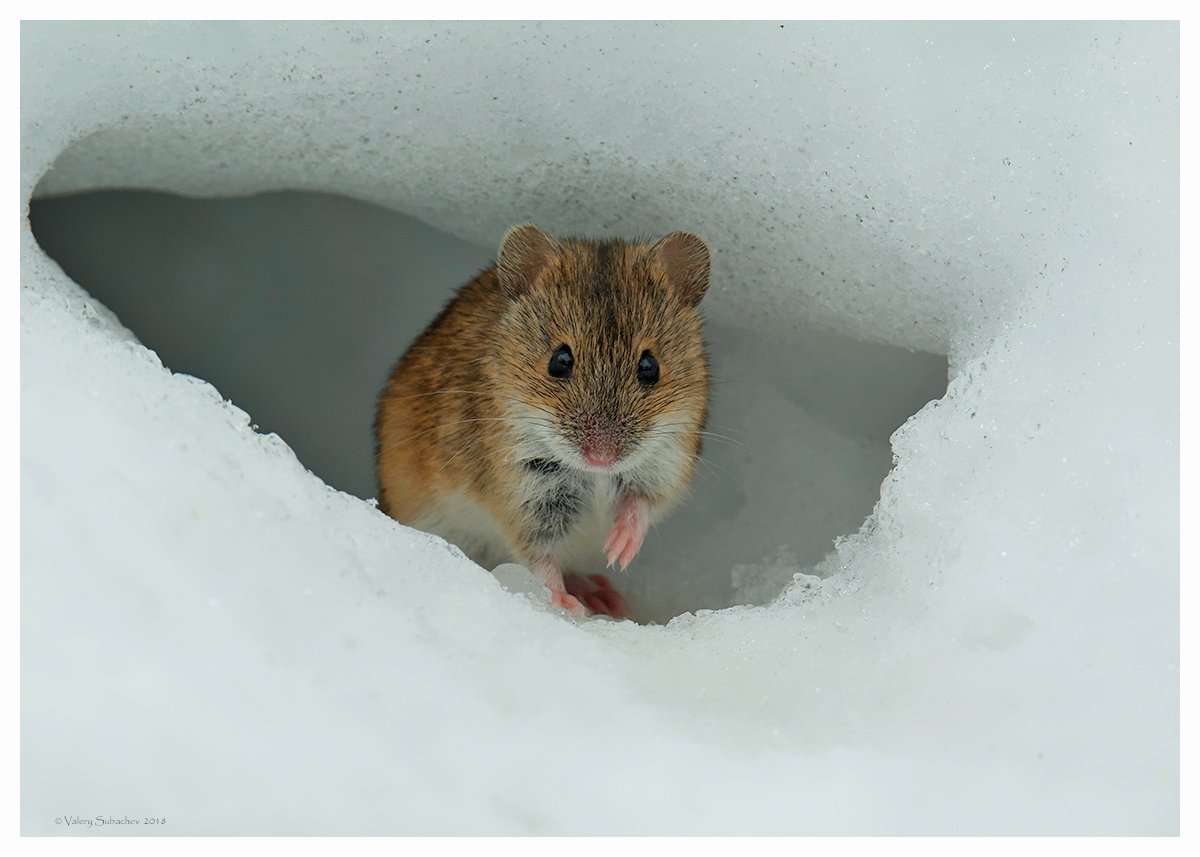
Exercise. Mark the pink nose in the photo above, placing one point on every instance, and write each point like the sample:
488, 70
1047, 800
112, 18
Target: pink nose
599, 454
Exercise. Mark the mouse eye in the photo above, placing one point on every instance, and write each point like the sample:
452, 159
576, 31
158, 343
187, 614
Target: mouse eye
561, 362
648, 369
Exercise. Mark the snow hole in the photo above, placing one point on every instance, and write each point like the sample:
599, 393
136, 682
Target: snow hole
295, 305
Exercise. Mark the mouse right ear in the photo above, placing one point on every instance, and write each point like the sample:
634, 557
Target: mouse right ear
524, 252
684, 258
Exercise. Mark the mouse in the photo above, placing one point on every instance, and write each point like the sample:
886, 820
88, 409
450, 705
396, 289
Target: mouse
554, 410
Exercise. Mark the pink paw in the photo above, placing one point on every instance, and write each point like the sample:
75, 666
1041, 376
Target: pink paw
550, 577
596, 593
628, 532
569, 603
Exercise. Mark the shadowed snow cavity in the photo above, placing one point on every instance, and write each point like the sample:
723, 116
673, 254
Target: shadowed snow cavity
295, 306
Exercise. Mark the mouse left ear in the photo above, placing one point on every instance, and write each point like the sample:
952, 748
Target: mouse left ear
524, 252
685, 260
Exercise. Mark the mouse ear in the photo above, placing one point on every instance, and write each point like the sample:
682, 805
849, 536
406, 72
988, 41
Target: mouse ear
524, 252
685, 260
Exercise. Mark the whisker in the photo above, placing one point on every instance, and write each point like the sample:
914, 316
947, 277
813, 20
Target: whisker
514, 420
719, 472
728, 428
665, 430
450, 459
487, 393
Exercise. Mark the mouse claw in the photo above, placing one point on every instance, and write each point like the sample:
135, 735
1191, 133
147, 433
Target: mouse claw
612, 550
616, 546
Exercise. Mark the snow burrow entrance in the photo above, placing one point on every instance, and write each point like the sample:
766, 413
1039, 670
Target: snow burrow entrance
295, 305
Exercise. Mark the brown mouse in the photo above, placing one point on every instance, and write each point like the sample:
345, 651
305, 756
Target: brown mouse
554, 409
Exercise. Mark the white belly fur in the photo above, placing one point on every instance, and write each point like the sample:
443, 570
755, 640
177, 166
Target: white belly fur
462, 521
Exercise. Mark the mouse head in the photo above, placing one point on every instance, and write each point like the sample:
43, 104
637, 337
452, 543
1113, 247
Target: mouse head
602, 345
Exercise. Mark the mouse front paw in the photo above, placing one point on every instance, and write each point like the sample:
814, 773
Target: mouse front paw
628, 532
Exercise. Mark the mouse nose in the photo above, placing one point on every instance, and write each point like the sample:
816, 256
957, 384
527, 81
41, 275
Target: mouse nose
599, 439
600, 452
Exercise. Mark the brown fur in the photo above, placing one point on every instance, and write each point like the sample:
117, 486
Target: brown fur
445, 424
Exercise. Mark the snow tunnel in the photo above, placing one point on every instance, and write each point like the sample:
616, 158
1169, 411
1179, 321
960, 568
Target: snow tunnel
945, 262
295, 306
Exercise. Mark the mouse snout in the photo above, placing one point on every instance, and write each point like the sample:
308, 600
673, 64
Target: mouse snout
600, 452
600, 443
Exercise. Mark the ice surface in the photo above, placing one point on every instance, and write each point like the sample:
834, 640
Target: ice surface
995, 651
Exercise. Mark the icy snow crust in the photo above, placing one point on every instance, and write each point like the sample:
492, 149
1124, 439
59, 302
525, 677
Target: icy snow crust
212, 635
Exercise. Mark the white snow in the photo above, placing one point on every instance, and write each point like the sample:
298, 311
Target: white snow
211, 634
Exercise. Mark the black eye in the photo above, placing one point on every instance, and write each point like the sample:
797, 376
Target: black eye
561, 362
648, 369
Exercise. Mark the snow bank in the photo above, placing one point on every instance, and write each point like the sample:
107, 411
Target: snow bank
212, 635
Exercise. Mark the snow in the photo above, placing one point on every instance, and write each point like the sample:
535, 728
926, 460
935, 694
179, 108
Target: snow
995, 651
